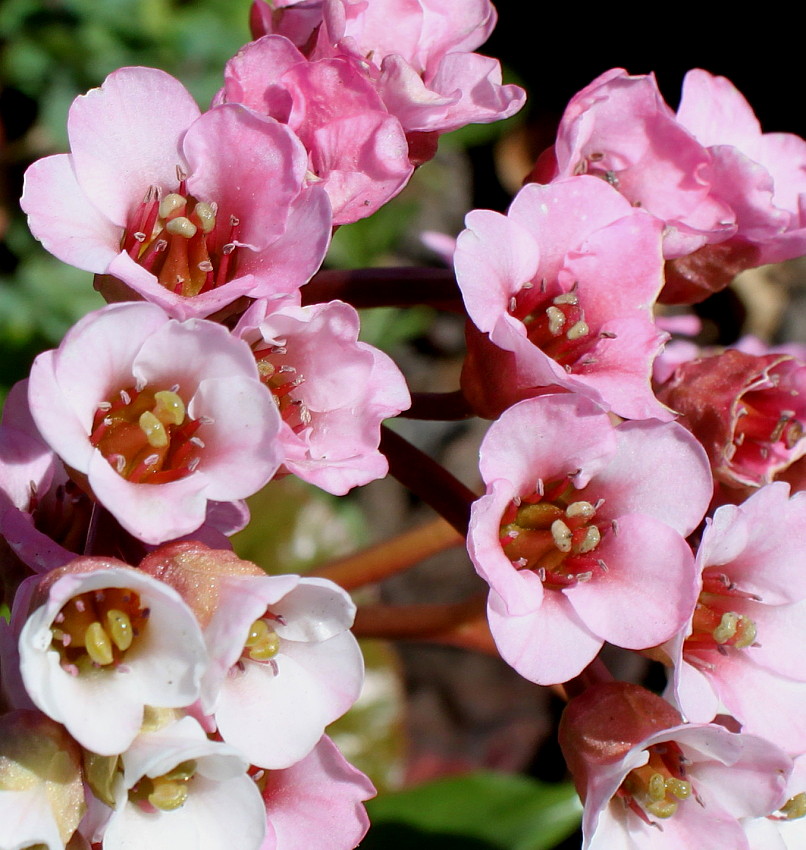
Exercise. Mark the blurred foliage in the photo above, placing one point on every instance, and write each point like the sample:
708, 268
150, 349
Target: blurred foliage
479, 811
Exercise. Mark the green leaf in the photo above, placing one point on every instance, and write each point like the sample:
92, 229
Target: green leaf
479, 811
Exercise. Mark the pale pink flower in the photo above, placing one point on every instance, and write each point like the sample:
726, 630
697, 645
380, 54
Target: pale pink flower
106, 641
332, 390
355, 147
171, 415
650, 783
581, 532
181, 791
621, 130
563, 286
163, 198
317, 803
279, 646
784, 829
762, 176
41, 791
422, 66
746, 634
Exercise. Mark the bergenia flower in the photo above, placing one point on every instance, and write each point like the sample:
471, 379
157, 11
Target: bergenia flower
102, 641
423, 66
560, 293
620, 130
357, 151
747, 411
332, 390
649, 781
161, 197
171, 415
181, 791
317, 803
581, 532
280, 647
41, 789
746, 633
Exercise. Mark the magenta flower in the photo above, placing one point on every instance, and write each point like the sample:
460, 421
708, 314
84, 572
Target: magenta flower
105, 641
423, 67
581, 532
356, 149
746, 633
332, 390
171, 415
649, 781
747, 411
316, 803
563, 286
162, 198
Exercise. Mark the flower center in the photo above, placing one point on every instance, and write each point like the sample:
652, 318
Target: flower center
555, 325
715, 625
550, 533
98, 628
765, 432
181, 240
262, 643
167, 792
283, 379
146, 435
657, 787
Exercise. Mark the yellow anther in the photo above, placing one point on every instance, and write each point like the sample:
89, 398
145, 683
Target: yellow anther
577, 331
154, 430
727, 627
257, 632
168, 795
567, 298
98, 645
169, 407
206, 216
119, 627
747, 632
171, 203
679, 788
656, 787
589, 542
795, 807
265, 369
556, 319
182, 772
584, 510
662, 808
562, 535
540, 515
181, 226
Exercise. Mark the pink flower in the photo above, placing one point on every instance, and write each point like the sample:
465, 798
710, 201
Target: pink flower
316, 803
162, 198
278, 644
181, 791
423, 67
563, 286
332, 390
621, 130
747, 411
649, 782
581, 532
106, 641
171, 415
355, 147
749, 625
